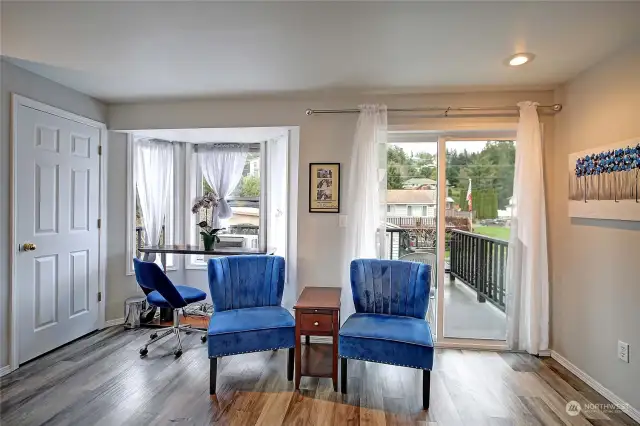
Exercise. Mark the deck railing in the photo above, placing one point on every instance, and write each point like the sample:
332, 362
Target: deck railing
480, 262
398, 243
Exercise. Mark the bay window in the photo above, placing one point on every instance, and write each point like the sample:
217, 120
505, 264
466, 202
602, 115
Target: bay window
151, 175
245, 228
251, 177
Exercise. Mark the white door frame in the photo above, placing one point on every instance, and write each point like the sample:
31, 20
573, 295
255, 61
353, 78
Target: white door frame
16, 102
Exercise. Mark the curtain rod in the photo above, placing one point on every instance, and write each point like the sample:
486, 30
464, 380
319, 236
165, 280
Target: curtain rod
446, 110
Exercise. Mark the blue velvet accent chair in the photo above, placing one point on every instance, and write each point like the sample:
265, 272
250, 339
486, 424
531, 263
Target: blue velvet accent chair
391, 299
248, 316
161, 292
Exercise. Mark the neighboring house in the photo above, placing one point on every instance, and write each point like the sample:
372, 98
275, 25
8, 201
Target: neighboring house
413, 203
422, 183
510, 209
254, 167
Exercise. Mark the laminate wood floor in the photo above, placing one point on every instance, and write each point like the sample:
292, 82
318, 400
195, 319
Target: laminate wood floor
101, 380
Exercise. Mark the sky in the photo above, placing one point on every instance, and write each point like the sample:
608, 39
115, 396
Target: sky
432, 147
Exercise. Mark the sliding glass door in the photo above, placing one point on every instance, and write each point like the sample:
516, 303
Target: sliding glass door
412, 206
449, 203
480, 186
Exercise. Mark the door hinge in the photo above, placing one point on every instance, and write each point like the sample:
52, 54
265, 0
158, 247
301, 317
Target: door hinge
99, 296
99, 223
99, 149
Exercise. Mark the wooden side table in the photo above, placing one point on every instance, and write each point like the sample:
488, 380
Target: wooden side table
317, 314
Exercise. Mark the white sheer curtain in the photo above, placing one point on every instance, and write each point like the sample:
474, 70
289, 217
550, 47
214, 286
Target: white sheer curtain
222, 166
527, 269
366, 209
153, 177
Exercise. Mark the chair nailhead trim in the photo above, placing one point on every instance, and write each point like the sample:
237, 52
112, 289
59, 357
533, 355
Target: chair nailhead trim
250, 352
388, 363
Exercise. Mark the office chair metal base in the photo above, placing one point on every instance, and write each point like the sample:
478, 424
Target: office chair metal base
175, 330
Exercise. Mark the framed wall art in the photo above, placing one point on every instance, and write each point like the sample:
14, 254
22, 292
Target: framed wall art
604, 182
324, 188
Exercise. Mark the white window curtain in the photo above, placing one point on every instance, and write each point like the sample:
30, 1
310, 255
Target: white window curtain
153, 178
527, 268
366, 209
222, 166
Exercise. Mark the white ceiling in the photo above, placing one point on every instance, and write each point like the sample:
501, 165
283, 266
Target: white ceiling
127, 51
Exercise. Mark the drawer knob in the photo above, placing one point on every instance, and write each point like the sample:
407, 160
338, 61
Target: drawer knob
316, 323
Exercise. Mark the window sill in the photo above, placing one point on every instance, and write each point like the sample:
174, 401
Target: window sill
196, 266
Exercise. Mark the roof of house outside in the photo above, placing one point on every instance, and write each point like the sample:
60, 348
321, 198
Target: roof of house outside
419, 181
411, 196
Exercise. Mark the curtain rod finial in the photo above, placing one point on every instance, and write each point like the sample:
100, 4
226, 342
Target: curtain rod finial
309, 112
557, 107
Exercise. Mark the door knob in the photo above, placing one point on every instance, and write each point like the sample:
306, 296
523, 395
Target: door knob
28, 247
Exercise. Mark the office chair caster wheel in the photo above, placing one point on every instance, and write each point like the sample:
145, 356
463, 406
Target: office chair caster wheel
178, 353
143, 352
204, 339
153, 335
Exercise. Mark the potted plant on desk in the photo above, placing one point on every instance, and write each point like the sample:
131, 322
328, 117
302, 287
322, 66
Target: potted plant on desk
209, 237
208, 232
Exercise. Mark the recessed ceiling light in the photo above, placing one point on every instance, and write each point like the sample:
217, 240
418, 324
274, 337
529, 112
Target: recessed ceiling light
519, 59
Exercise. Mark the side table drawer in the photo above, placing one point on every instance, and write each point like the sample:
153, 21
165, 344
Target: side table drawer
315, 322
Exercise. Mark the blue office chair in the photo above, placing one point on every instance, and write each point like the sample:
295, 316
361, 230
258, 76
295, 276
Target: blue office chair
247, 294
166, 295
389, 326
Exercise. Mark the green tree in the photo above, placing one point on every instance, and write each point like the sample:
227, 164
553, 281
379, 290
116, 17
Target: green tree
462, 198
502, 155
394, 180
492, 168
250, 186
397, 162
428, 172
396, 155
485, 203
456, 162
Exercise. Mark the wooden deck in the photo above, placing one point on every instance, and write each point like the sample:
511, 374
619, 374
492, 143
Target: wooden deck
101, 380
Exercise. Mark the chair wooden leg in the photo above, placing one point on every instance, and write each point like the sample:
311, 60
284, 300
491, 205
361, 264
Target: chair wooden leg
426, 388
343, 375
292, 352
213, 375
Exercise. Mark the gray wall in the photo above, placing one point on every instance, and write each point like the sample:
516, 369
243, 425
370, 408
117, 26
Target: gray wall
19, 81
322, 138
595, 293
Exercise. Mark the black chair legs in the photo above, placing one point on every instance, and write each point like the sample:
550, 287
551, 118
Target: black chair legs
292, 352
343, 375
426, 383
426, 377
213, 375
426, 388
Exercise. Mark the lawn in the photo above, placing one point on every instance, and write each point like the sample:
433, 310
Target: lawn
501, 233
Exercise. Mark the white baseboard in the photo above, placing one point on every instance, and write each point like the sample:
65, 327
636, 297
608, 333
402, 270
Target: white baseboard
5, 370
632, 412
111, 323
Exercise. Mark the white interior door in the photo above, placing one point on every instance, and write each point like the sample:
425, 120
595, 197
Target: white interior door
56, 228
